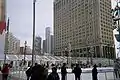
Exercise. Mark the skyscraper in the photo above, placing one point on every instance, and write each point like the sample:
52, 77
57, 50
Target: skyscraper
48, 40
52, 44
44, 46
28, 50
38, 45
13, 46
84, 24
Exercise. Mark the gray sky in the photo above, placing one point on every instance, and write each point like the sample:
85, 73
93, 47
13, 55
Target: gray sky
20, 13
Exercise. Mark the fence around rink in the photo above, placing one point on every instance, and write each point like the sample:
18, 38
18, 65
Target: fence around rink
103, 74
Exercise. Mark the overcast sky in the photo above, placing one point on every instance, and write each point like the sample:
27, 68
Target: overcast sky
20, 14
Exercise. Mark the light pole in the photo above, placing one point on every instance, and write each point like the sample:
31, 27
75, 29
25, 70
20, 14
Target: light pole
33, 44
66, 54
25, 51
91, 54
6, 41
109, 54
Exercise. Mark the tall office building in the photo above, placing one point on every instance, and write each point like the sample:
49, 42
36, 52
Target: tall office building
28, 50
38, 45
48, 40
84, 24
13, 46
44, 46
52, 44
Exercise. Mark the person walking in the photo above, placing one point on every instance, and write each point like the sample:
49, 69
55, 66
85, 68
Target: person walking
38, 72
77, 71
64, 72
5, 72
117, 68
54, 75
94, 72
28, 72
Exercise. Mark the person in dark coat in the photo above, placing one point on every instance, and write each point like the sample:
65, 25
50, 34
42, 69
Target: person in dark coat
94, 72
28, 72
54, 75
77, 71
38, 73
5, 72
64, 72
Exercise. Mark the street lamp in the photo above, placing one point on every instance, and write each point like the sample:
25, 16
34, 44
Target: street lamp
25, 51
108, 53
6, 41
91, 53
33, 45
66, 54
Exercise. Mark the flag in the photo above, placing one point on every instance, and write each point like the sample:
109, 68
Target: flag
2, 26
7, 25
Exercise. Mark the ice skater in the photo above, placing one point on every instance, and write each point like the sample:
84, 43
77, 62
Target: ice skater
77, 71
94, 72
64, 72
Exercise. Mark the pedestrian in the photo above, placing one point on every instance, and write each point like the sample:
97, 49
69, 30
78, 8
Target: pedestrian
38, 72
116, 68
0, 73
94, 72
54, 75
64, 72
77, 71
5, 71
28, 72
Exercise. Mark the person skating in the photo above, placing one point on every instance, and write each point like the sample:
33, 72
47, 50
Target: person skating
38, 72
29, 72
54, 75
77, 71
94, 72
64, 72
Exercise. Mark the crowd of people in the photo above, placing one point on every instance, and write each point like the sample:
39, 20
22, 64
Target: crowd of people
40, 72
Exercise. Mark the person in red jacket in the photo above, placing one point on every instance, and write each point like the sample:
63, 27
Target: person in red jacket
5, 71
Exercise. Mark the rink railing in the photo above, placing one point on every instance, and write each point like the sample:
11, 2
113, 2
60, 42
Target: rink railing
103, 73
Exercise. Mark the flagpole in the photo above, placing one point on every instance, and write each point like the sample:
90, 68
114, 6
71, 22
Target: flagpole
6, 41
33, 44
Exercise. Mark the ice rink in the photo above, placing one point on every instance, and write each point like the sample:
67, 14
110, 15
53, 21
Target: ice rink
103, 74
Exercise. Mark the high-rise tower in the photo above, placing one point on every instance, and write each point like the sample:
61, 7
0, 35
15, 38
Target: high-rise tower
85, 24
48, 40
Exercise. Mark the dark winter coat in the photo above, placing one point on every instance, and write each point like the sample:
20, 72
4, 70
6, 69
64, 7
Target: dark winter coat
53, 76
63, 70
94, 73
5, 70
38, 73
29, 72
77, 71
